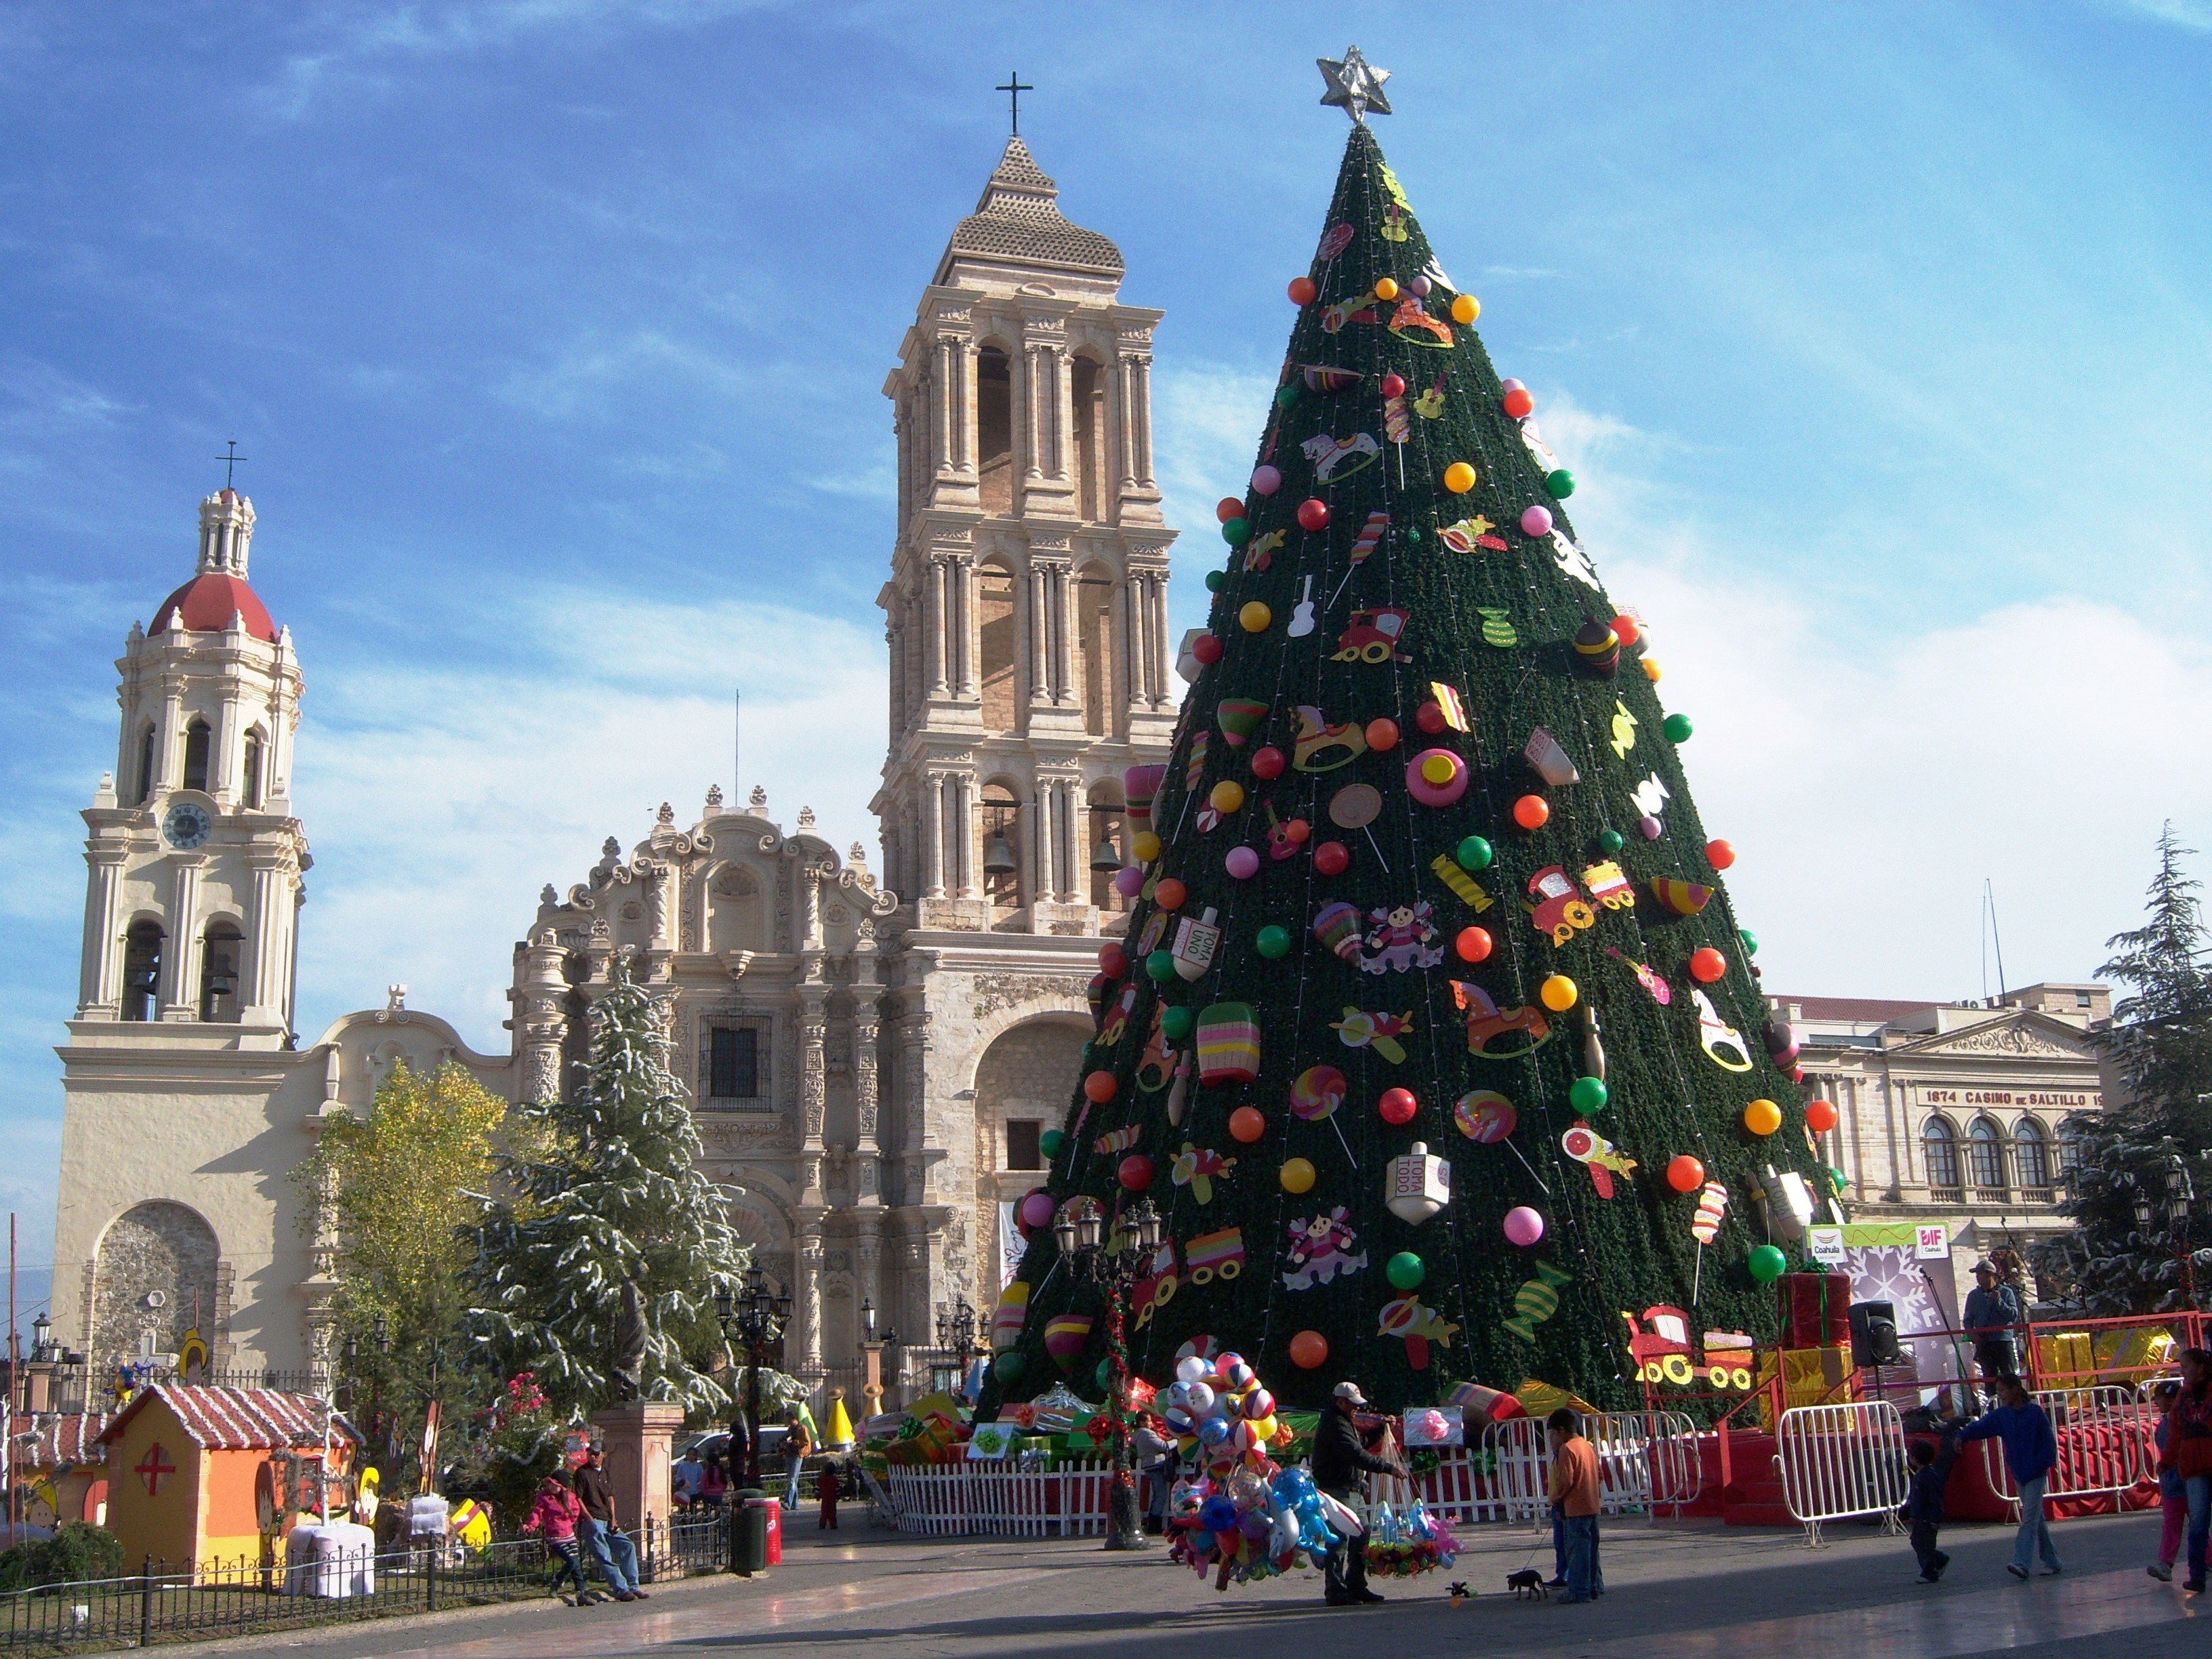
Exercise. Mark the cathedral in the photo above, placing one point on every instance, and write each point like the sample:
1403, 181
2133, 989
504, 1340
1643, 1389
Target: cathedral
871, 1057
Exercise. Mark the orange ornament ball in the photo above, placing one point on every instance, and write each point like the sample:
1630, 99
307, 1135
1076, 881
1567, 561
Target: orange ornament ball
1820, 1116
1100, 1087
1626, 630
1386, 287
1519, 403
1707, 964
1685, 1173
1302, 291
1308, 1351
1247, 1124
1762, 1117
1720, 854
1472, 945
1531, 812
1382, 735
1170, 894
1228, 507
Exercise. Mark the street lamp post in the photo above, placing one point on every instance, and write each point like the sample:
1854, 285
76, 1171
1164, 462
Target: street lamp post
1113, 1265
756, 1319
956, 1336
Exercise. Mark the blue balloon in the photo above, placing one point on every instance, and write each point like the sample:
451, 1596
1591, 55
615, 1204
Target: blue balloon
1201, 1544
1214, 1431
1217, 1514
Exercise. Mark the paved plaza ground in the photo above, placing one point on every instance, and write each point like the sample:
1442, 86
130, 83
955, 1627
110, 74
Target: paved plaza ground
1700, 1592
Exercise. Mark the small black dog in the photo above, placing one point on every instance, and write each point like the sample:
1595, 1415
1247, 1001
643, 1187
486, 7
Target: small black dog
1528, 1581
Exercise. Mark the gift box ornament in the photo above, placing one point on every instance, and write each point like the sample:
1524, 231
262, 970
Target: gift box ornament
1551, 761
1228, 1044
1788, 1203
1417, 1185
1196, 940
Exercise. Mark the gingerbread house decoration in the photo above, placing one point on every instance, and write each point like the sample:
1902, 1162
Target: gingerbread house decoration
61, 1467
201, 1476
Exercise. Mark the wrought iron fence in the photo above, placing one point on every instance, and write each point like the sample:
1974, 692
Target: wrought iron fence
696, 1541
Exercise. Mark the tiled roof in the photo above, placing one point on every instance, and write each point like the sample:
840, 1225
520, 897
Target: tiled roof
238, 1420
58, 1440
1018, 218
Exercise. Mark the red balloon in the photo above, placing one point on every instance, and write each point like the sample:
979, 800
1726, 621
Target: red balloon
1313, 515
1206, 647
1707, 964
1625, 630
1302, 291
1100, 1087
1382, 735
1519, 403
1820, 1115
1397, 1106
1685, 1173
1267, 763
1168, 893
1228, 507
1531, 812
1136, 1172
1430, 717
1720, 854
1332, 859
1393, 385
1308, 1351
1113, 961
1247, 1124
1472, 945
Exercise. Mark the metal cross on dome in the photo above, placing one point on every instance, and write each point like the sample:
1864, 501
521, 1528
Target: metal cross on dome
1355, 85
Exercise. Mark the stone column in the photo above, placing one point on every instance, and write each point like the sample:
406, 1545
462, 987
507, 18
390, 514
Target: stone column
1124, 695
640, 1436
1063, 411
805, 1333
813, 1070
99, 996
967, 357
540, 1024
963, 623
168, 762
933, 831
1036, 396
944, 419
1045, 863
1127, 416
1140, 418
180, 961
963, 845
1038, 605
934, 633
261, 998
1063, 610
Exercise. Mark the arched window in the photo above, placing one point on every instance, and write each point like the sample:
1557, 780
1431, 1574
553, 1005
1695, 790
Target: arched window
219, 970
141, 971
995, 645
1001, 829
1942, 1144
196, 755
146, 764
1095, 665
1089, 388
2031, 1152
2069, 1146
994, 431
1985, 1155
249, 774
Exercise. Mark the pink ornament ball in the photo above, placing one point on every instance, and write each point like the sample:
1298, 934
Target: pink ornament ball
1523, 1226
1536, 521
1266, 480
1420, 287
1129, 880
1037, 1209
1649, 826
1242, 863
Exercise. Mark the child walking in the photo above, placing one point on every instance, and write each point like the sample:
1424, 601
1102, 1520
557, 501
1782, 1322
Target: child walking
1923, 1503
2173, 1495
555, 1513
829, 1486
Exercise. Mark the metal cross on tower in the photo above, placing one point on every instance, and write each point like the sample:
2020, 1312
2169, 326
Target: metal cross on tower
1014, 89
230, 461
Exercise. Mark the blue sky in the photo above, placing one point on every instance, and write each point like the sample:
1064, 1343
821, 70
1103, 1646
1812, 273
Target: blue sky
554, 332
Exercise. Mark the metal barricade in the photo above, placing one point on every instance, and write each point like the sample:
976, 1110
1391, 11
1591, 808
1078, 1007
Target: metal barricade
1842, 1460
1645, 1459
998, 1500
2104, 1443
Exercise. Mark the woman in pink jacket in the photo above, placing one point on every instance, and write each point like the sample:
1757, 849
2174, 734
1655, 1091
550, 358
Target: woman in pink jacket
555, 1513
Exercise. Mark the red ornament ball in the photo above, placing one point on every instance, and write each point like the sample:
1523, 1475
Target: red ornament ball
1472, 945
1136, 1172
1228, 507
1720, 854
1394, 385
1267, 763
1313, 513
1113, 961
1332, 859
1100, 1087
1398, 1106
1296, 831
1820, 1115
1308, 1351
1625, 629
1247, 1124
1382, 735
1685, 1173
1168, 893
1519, 403
1430, 717
1302, 291
1206, 647
1531, 812
1707, 964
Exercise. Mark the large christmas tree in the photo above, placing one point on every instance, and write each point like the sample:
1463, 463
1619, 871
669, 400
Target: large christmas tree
1426, 790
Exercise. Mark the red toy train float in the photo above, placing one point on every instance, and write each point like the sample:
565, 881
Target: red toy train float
1663, 1352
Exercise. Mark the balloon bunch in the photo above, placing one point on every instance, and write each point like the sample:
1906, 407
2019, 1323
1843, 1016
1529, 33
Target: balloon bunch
1219, 1410
1401, 1546
1240, 1517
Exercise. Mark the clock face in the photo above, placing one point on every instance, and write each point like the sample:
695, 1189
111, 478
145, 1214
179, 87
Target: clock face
186, 825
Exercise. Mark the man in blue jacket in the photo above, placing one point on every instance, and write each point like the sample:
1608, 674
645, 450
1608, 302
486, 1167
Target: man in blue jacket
2031, 1449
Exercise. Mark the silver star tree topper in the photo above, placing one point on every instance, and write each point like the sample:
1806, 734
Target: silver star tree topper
1355, 85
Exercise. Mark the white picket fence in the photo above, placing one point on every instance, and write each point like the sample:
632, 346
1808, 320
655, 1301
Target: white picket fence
1645, 1459
2104, 1444
1842, 1460
998, 1500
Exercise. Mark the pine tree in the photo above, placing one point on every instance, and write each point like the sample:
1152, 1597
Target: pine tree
617, 1199
1408, 648
2152, 1150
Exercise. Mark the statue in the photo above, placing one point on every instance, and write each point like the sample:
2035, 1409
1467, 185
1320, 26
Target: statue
629, 1347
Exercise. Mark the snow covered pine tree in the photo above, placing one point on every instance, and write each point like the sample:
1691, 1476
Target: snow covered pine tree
1425, 792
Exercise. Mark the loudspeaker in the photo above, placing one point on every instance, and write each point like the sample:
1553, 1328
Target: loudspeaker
1874, 1335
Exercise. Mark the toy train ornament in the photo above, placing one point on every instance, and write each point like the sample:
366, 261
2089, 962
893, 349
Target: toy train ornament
1661, 1350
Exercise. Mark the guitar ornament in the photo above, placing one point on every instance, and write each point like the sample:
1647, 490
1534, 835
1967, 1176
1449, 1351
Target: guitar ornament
1301, 620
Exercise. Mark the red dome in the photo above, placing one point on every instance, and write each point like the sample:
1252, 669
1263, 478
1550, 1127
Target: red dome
206, 604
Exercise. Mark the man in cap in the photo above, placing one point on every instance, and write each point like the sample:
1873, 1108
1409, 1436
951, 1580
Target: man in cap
1991, 1316
1339, 1457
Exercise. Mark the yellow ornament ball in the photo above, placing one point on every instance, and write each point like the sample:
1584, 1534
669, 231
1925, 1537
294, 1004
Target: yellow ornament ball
1228, 795
1762, 1117
1144, 846
1297, 1175
1651, 670
1386, 287
1465, 308
1459, 478
1254, 618
1558, 993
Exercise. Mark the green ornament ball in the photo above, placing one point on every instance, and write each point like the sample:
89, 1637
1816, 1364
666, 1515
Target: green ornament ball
1406, 1271
1006, 1368
1217, 579
1052, 1143
1104, 1373
1177, 1023
1412, 536
1677, 728
1161, 966
1473, 853
1767, 1264
1609, 840
1750, 941
1237, 532
1589, 1094
1560, 482
1837, 1180
1272, 942
1286, 396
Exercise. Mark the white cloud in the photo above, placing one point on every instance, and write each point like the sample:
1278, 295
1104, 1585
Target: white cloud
2195, 15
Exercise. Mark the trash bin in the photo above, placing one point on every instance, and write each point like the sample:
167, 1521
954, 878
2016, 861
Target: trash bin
772, 1508
748, 1532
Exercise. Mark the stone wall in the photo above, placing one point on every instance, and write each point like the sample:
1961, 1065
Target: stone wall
158, 1249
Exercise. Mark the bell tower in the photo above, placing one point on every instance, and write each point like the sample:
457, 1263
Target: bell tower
1027, 608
